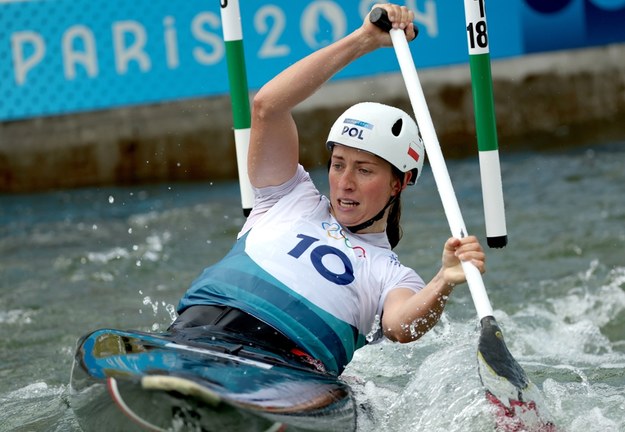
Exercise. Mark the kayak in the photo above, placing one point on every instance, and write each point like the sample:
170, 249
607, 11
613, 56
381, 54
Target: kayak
124, 380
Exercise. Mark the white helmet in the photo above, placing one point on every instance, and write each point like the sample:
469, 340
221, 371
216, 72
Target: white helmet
383, 130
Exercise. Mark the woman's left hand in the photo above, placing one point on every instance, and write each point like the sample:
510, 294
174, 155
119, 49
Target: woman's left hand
400, 17
457, 250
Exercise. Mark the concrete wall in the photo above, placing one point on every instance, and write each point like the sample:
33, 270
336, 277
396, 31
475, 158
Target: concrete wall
558, 98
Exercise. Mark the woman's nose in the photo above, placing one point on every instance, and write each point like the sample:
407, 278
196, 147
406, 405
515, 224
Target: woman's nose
346, 181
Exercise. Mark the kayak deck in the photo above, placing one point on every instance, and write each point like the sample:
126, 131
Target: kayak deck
124, 379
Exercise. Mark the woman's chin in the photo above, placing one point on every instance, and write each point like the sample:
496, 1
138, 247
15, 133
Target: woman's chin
346, 220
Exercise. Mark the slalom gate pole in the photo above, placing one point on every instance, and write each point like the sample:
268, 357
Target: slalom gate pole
485, 123
239, 95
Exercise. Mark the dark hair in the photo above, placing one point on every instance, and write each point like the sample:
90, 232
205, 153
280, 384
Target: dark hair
394, 231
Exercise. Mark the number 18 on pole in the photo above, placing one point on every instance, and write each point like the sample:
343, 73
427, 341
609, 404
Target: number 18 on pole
485, 123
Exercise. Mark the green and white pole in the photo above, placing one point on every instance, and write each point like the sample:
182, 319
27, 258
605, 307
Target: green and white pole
485, 123
239, 94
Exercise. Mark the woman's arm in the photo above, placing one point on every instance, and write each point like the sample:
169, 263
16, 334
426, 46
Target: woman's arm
274, 145
408, 315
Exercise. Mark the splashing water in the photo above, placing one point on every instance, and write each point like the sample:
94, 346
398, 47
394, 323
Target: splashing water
558, 289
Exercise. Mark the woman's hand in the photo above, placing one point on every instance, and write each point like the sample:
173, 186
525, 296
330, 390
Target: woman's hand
400, 16
457, 250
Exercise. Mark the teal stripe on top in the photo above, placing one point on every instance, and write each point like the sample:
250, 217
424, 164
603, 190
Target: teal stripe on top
237, 281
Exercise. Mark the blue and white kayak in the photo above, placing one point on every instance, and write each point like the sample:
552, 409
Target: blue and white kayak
131, 380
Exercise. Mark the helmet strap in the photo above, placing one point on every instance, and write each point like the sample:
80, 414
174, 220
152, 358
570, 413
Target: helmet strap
377, 217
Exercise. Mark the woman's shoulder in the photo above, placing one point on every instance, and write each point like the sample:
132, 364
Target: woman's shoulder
268, 196
298, 195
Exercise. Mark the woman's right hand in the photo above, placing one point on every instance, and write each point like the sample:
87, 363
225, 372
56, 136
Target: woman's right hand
457, 250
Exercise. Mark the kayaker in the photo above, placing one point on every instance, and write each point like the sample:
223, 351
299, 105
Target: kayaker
317, 275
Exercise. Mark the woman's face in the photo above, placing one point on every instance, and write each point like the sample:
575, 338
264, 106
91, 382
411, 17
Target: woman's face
361, 184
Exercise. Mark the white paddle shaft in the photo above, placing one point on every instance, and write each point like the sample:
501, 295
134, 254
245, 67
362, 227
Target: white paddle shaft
439, 168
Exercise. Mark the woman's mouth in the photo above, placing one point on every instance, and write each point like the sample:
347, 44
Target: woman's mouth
346, 203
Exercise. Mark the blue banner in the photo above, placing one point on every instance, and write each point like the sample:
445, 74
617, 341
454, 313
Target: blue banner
65, 56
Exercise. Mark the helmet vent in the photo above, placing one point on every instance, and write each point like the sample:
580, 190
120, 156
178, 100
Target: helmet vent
396, 129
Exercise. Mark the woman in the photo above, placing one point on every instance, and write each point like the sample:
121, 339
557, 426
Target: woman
314, 275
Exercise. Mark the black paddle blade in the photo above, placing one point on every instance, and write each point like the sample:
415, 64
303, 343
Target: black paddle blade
518, 401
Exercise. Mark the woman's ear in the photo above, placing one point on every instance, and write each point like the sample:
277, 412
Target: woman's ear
407, 178
397, 185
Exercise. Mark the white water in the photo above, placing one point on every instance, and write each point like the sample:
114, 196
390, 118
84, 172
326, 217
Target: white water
121, 257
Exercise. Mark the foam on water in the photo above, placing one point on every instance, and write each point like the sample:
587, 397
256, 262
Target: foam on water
37, 407
560, 343
558, 290
17, 316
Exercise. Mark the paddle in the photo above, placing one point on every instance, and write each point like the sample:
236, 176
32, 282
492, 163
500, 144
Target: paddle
507, 386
